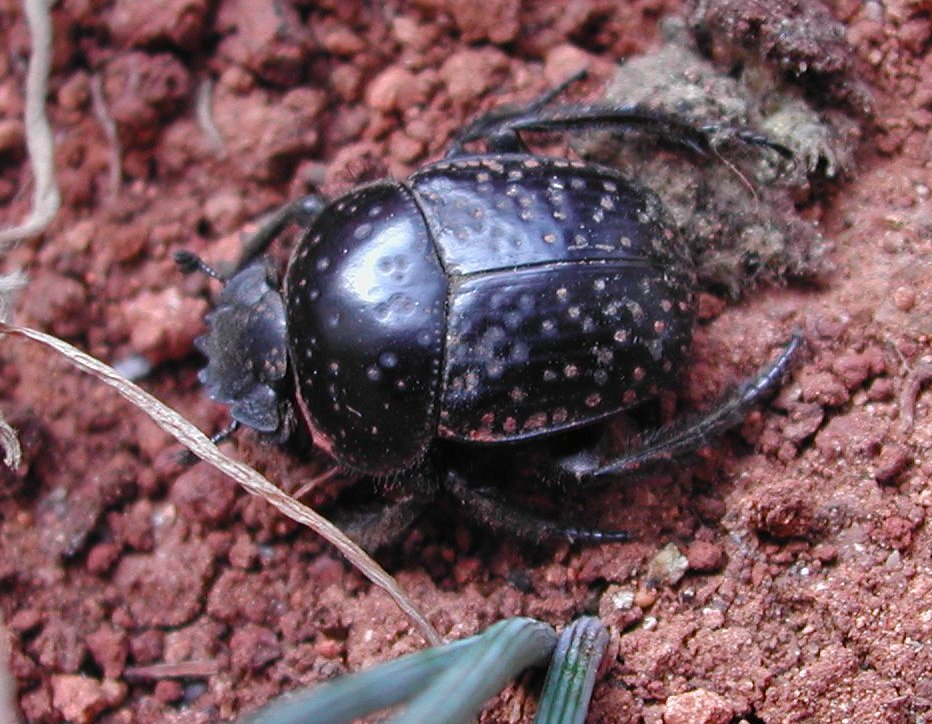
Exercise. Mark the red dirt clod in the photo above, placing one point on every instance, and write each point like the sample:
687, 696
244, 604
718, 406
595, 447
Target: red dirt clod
179, 22
699, 706
782, 510
704, 557
166, 587
80, 699
109, 647
203, 494
253, 647
265, 37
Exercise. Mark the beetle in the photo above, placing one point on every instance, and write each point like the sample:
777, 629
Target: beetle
490, 300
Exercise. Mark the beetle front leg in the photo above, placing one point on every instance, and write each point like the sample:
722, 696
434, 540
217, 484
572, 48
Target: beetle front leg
493, 126
686, 437
301, 211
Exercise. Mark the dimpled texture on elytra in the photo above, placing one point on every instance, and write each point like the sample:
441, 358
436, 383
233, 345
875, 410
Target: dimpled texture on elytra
486, 298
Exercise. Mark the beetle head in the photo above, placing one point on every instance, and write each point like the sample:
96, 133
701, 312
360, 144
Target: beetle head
247, 352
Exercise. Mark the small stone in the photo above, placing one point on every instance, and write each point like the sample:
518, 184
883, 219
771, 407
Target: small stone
165, 588
563, 61
497, 21
328, 648
394, 89
803, 421
405, 148
12, 135
25, 620
147, 647
180, 22
667, 566
904, 298
617, 609
204, 494
645, 597
469, 73
825, 552
782, 511
37, 705
849, 435
59, 647
266, 136
698, 707
224, 211
881, 390
56, 303
853, 369
75, 92
243, 553
709, 306
342, 41
266, 37
895, 532
822, 387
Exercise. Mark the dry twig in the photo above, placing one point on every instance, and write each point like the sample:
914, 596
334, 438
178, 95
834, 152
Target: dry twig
102, 114
39, 145
205, 116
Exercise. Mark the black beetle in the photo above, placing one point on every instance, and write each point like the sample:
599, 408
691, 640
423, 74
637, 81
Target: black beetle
489, 298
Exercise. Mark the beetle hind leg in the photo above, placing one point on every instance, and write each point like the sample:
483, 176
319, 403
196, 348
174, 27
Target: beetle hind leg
686, 437
494, 513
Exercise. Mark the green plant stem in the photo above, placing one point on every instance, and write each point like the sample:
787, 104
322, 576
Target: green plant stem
572, 672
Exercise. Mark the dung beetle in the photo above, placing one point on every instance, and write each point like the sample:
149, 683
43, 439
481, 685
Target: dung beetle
487, 301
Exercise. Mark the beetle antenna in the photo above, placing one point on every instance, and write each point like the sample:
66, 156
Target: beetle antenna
186, 457
189, 262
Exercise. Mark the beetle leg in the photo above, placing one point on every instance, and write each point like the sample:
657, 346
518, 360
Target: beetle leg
301, 211
667, 127
489, 511
375, 529
685, 437
493, 125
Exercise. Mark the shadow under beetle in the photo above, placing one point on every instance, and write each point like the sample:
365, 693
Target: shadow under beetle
490, 299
